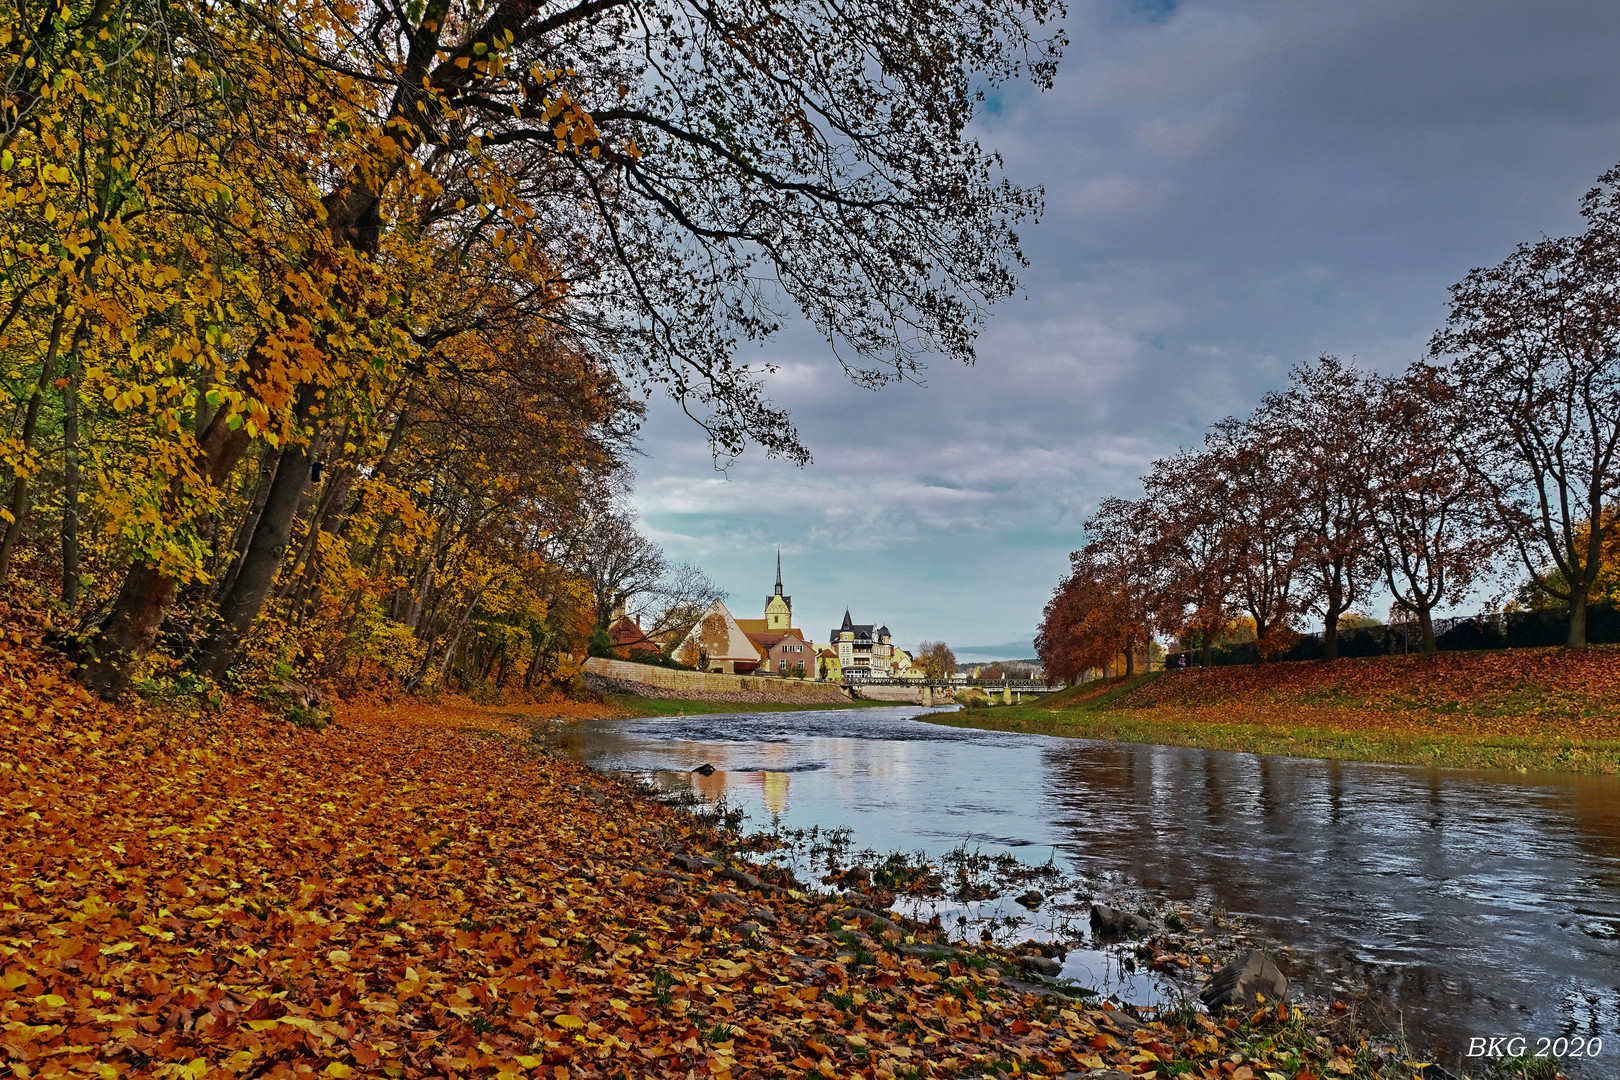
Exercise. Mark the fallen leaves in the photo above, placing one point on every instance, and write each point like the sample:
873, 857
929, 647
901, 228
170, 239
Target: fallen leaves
406, 896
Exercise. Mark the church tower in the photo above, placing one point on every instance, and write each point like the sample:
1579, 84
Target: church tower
778, 608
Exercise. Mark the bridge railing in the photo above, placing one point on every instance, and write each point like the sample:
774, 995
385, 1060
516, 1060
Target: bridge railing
1017, 686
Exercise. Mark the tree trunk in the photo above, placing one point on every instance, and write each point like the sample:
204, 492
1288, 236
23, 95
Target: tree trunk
268, 464
70, 475
241, 605
19, 492
143, 601
455, 641
1130, 661
1426, 625
130, 630
1577, 618
1330, 629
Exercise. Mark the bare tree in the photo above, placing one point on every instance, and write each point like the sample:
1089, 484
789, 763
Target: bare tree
673, 604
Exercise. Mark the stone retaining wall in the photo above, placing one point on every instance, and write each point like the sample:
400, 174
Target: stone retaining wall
911, 695
671, 682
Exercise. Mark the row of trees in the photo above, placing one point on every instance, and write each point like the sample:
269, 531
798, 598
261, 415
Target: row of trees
1500, 447
324, 328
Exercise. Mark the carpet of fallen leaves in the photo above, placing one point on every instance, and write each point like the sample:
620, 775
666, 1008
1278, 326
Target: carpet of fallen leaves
1560, 692
415, 893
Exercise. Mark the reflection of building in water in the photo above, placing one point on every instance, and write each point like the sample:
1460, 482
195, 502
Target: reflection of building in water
773, 788
709, 787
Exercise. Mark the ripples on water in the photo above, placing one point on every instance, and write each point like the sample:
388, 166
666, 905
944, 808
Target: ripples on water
1480, 903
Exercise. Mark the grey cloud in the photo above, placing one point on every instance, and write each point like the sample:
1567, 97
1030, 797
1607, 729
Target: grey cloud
1231, 189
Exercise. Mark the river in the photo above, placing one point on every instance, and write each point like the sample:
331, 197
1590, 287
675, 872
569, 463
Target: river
1477, 904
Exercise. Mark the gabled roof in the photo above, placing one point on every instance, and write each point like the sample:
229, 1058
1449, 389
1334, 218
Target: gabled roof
726, 641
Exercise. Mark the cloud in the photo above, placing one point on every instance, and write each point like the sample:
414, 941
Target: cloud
1231, 188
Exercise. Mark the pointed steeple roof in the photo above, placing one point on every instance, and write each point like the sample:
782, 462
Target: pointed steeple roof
778, 571
848, 622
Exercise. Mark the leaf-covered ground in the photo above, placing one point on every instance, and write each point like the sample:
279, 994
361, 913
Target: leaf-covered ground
1552, 709
1573, 691
414, 892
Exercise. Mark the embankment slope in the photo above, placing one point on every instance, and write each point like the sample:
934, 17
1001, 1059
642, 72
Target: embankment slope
1522, 708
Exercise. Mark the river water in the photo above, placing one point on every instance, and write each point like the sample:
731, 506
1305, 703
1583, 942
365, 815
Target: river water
1479, 903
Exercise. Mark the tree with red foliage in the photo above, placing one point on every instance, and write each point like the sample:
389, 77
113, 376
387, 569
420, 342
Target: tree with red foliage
1429, 507
1252, 469
1103, 608
1536, 342
1317, 430
1185, 523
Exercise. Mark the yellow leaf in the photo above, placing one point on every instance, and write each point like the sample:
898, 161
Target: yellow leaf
338, 1069
569, 1021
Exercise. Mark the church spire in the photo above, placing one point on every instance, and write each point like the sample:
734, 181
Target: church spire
778, 571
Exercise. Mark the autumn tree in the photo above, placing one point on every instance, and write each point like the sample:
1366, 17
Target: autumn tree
937, 661
1262, 539
1535, 348
1317, 429
1430, 510
1186, 524
1103, 609
685, 168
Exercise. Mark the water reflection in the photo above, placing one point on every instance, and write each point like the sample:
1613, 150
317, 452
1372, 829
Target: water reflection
1480, 903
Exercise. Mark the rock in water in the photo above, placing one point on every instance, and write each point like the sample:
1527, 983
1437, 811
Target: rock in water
704, 769
1112, 922
1042, 965
1031, 899
1239, 982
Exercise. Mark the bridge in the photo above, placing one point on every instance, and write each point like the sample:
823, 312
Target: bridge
1010, 691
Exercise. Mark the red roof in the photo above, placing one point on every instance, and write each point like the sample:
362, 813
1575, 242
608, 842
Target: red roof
627, 634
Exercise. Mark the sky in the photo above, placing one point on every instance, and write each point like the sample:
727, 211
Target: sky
1231, 188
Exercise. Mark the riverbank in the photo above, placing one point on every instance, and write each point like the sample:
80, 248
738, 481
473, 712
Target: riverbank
412, 893
1526, 709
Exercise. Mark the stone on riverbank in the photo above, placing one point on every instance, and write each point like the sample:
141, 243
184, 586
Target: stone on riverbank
1112, 922
1042, 965
1242, 982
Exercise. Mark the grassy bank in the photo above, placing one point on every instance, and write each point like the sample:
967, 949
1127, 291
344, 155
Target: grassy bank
1529, 753
1530, 709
